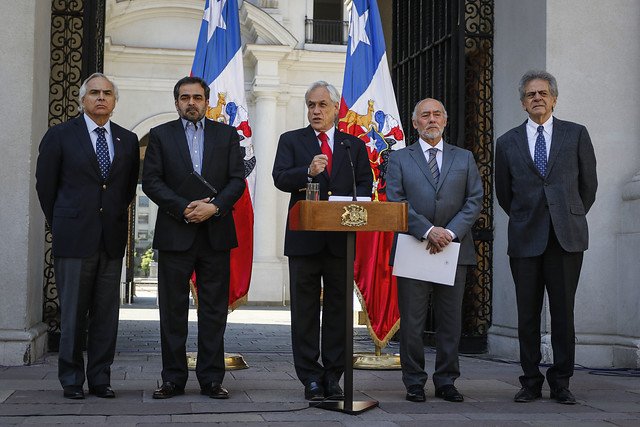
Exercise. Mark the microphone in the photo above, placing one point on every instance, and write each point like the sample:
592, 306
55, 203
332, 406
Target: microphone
347, 146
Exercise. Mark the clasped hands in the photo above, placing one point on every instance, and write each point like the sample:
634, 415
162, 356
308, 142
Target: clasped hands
437, 239
200, 210
318, 164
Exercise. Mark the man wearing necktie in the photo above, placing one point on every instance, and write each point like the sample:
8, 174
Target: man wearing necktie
317, 153
86, 175
441, 184
545, 182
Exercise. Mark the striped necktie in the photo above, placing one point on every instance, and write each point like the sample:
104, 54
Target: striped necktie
433, 164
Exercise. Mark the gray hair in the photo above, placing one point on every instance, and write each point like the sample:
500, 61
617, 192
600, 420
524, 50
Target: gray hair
83, 88
333, 92
414, 115
538, 75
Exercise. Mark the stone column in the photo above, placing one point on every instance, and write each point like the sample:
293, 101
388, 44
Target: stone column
268, 277
25, 34
627, 351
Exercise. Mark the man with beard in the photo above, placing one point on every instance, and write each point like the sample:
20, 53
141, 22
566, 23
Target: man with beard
441, 184
193, 234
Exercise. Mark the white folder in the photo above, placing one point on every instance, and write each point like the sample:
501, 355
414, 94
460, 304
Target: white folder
414, 261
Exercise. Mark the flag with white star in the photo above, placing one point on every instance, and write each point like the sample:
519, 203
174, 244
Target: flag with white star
369, 111
218, 60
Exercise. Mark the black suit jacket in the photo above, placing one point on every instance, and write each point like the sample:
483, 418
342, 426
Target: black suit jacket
80, 208
167, 163
295, 151
562, 197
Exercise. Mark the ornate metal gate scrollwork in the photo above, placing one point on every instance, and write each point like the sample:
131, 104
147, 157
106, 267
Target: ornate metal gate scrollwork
444, 49
77, 51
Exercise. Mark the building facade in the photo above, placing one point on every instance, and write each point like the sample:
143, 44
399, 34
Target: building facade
588, 45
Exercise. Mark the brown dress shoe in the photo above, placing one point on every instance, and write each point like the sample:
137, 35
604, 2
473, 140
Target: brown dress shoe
167, 390
214, 391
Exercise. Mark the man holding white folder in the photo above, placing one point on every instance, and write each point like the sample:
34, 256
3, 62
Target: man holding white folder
442, 186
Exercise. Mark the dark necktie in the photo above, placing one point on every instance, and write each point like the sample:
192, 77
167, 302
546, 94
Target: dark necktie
324, 147
540, 152
433, 164
102, 152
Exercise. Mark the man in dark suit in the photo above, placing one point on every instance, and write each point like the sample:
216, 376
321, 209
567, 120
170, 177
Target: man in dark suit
546, 182
318, 154
86, 175
193, 234
441, 184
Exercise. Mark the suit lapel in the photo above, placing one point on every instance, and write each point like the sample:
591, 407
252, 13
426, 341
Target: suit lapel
448, 154
181, 143
523, 147
117, 147
557, 139
210, 136
339, 152
312, 146
82, 132
418, 156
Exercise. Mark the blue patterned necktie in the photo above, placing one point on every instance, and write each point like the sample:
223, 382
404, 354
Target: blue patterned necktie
540, 152
433, 164
102, 152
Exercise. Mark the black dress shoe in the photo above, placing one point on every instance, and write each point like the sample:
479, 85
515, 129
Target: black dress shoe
333, 391
449, 393
313, 391
214, 391
167, 390
563, 395
415, 394
104, 391
526, 395
73, 392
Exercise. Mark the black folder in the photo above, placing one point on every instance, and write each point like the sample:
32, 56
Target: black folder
195, 187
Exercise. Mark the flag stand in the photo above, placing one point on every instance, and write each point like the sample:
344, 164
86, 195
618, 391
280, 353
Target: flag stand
376, 361
232, 361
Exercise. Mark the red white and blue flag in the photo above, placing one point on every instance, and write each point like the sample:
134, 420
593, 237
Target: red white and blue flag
218, 60
368, 110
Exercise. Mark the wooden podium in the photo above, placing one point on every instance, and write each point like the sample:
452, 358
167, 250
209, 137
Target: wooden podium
348, 217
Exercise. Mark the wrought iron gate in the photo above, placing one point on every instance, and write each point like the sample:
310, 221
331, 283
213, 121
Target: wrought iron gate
77, 51
444, 49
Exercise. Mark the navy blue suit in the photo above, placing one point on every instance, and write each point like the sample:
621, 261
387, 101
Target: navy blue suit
88, 219
318, 255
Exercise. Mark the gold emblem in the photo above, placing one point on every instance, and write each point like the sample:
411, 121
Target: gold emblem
354, 216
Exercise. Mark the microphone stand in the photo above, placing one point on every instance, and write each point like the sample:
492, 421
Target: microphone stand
347, 146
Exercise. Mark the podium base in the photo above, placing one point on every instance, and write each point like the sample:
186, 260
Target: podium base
339, 406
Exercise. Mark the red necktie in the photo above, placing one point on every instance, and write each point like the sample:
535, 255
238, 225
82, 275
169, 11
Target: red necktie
324, 147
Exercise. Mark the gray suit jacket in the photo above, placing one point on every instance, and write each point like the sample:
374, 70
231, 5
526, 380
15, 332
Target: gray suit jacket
454, 203
562, 197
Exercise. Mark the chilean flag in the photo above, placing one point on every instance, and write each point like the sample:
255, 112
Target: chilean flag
368, 110
218, 60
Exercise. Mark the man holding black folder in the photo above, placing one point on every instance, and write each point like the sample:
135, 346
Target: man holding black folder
193, 170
